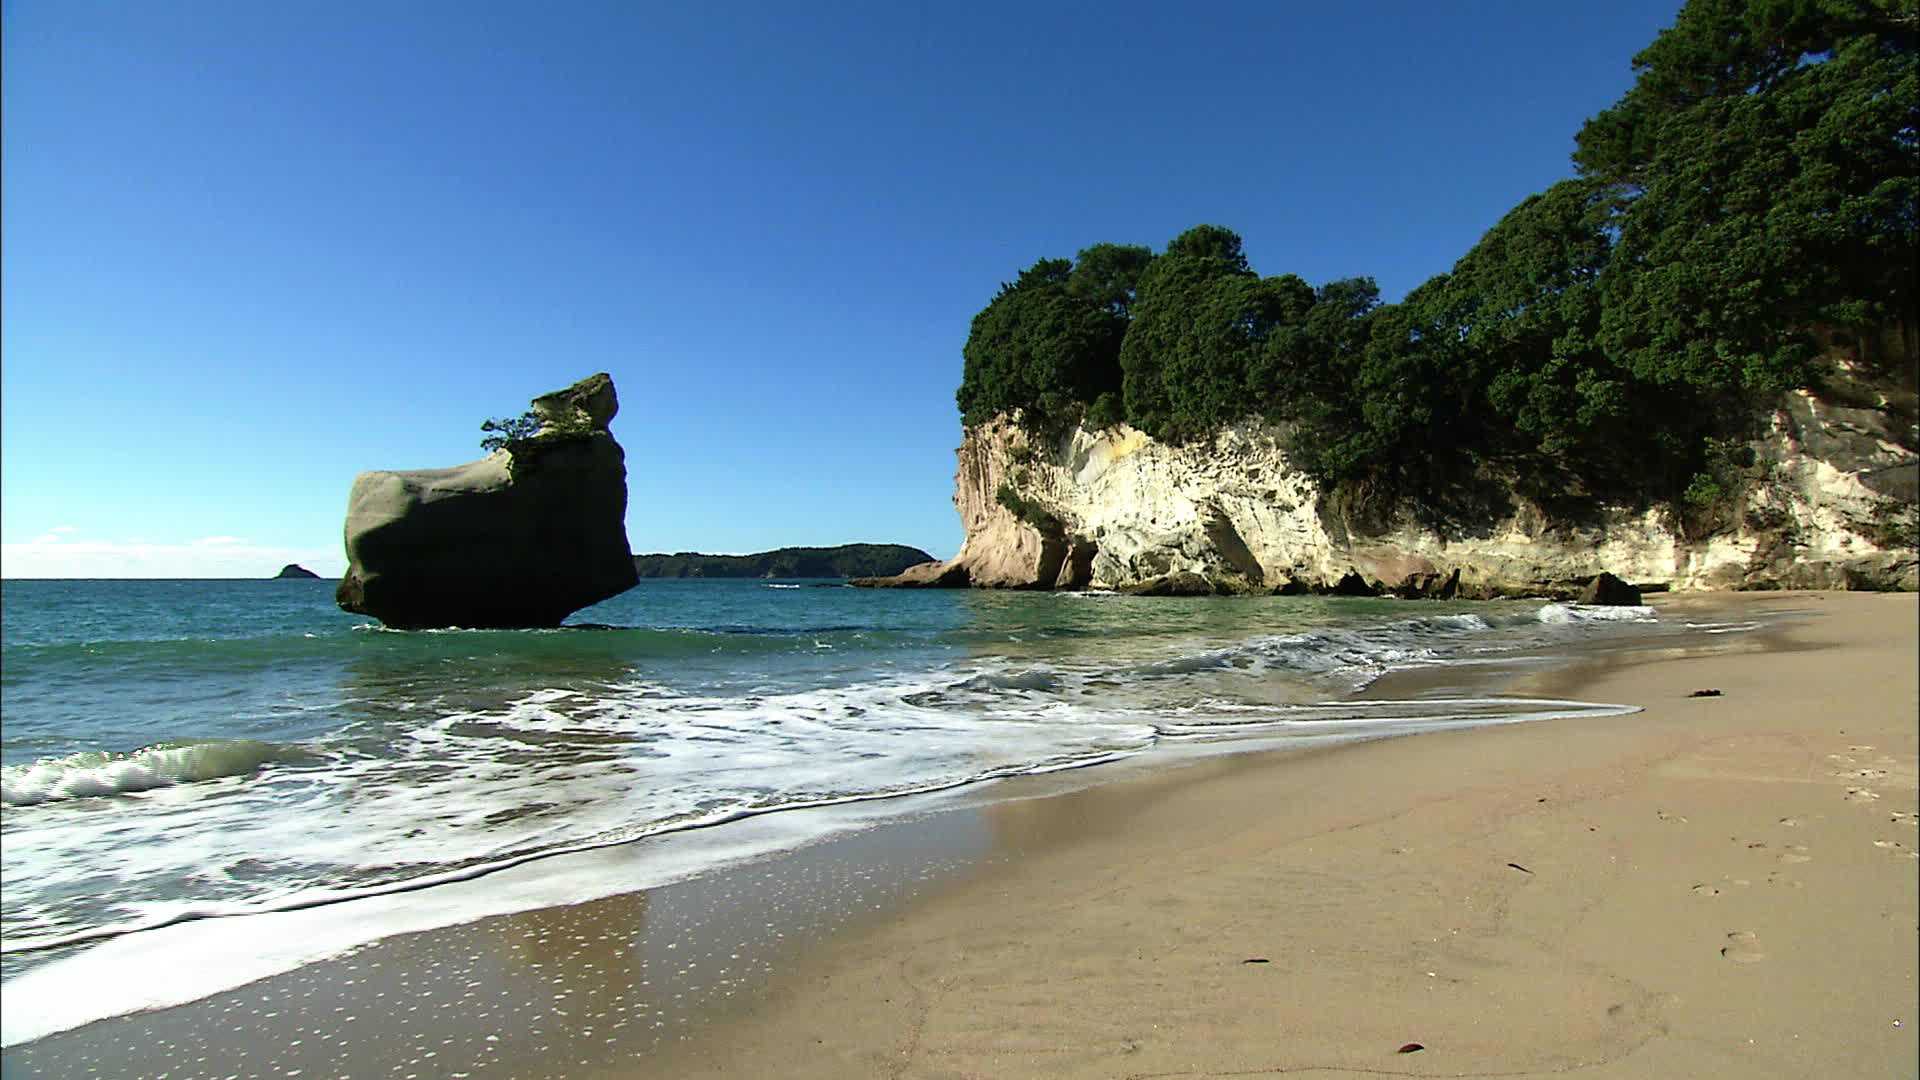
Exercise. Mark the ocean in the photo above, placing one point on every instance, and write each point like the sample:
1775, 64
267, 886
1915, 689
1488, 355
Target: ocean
180, 751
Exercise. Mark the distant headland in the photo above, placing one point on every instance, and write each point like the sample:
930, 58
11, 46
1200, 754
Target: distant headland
847, 560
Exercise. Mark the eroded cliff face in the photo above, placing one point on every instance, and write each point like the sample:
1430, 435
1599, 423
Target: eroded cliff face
1829, 503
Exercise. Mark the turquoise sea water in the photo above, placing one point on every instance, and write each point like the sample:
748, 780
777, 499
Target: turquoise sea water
180, 749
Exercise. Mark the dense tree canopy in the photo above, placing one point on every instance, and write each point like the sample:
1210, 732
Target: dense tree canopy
1050, 342
1758, 183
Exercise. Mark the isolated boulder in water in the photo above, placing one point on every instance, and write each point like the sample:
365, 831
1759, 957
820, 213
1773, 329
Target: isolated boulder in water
295, 570
1607, 589
926, 575
523, 537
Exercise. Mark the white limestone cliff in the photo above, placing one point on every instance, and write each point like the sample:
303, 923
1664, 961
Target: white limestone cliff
1829, 503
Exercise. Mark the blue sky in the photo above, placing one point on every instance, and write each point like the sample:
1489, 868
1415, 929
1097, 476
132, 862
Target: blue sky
253, 249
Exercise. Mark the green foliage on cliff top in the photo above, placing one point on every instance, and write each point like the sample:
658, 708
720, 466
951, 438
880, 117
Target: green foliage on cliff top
519, 434
1051, 339
1759, 181
845, 561
505, 431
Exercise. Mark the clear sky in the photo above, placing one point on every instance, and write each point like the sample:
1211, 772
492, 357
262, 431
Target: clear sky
251, 249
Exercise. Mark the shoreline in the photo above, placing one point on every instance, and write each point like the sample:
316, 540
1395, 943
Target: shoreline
916, 947
1720, 886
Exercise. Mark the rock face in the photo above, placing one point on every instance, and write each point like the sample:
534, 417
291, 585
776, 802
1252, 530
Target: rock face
295, 570
1610, 591
1829, 503
927, 575
523, 537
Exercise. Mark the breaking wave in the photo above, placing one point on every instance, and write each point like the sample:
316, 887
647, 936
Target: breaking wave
91, 774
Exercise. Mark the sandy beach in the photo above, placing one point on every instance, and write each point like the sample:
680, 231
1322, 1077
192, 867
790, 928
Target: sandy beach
1717, 886
1712, 886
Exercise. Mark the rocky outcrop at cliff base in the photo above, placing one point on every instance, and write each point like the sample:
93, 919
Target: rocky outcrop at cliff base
523, 537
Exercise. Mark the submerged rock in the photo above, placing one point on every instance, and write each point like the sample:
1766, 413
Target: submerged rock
1183, 583
523, 537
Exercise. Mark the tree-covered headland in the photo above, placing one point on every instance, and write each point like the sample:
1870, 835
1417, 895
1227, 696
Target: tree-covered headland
844, 561
1747, 208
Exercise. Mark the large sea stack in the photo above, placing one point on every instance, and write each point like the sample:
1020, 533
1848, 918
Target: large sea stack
523, 537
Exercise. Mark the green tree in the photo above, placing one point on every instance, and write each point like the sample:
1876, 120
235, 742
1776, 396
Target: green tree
1762, 215
503, 432
1724, 49
1040, 351
1109, 275
1212, 242
1179, 375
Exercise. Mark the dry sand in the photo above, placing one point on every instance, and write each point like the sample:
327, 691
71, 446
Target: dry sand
1720, 886
1713, 887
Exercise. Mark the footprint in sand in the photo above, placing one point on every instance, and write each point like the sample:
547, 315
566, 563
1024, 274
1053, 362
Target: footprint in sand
1860, 794
1859, 749
1863, 774
1795, 853
1895, 847
1790, 822
1671, 819
1901, 817
1743, 947
1705, 890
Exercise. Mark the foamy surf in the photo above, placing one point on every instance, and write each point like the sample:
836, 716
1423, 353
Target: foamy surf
1372, 719
259, 941
422, 790
92, 773
1575, 613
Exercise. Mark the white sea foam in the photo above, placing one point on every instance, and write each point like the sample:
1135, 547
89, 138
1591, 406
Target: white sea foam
1376, 718
79, 776
187, 961
1577, 613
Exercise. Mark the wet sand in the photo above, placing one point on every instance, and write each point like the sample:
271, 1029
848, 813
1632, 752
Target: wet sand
1717, 886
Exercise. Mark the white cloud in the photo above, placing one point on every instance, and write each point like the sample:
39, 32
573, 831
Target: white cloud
51, 556
53, 535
